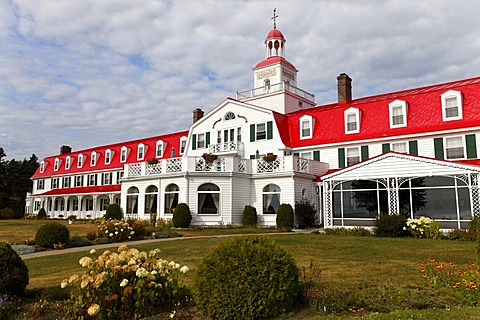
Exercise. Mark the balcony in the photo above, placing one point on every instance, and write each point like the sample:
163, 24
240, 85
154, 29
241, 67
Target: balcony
225, 164
278, 87
227, 148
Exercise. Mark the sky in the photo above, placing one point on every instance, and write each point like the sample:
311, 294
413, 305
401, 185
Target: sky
86, 73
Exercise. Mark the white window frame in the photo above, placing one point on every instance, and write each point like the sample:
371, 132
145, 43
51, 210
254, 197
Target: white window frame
306, 155
106, 178
66, 182
351, 150
108, 156
397, 146
264, 131
40, 184
42, 166
91, 180
202, 140
308, 121
123, 154
159, 149
68, 162
356, 113
452, 94
141, 152
394, 105
80, 160
93, 159
55, 182
183, 144
78, 182
463, 146
56, 164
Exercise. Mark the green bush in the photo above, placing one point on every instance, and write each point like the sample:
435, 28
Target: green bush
248, 277
114, 212
7, 213
285, 216
13, 271
181, 216
116, 230
51, 234
391, 226
249, 216
42, 214
305, 213
356, 231
9, 307
91, 235
78, 242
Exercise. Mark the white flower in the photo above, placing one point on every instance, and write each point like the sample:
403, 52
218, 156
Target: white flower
171, 264
111, 234
132, 233
124, 283
106, 231
85, 261
93, 309
92, 251
116, 232
141, 272
184, 269
176, 266
63, 284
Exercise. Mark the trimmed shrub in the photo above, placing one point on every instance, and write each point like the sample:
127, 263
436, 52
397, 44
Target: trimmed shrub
248, 277
181, 216
78, 242
391, 226
13, 271
285, 216
42, 214
249, 216
51, 234
114, 212
91, 235
139, 227
305, 213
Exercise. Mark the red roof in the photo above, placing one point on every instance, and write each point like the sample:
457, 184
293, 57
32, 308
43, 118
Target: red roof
424, 115
77, 190
273, 60
169, 141
275, 33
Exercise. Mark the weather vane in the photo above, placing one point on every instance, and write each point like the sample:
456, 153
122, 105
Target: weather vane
275, 16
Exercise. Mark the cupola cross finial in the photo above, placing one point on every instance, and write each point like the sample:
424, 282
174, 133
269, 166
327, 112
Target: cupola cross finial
275, 16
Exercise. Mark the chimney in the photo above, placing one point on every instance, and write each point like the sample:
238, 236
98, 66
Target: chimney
344, 85
197, 114
65, 149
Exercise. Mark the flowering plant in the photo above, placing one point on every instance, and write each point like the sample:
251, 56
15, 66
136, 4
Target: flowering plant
126, 285
423, 227
209, 158
8, 307
115, 230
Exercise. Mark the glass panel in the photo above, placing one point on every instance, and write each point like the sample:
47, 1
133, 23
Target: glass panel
172, 187
151, 189
271, 188
208, 187
209, 202
363, 184
271, 203
132, 190
464, 204
360, 204
337, 204
438, 204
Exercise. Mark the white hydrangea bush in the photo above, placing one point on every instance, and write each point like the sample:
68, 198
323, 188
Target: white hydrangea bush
423, 227
115, 230
128, 284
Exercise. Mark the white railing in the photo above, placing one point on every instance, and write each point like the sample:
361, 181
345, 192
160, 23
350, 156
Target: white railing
242, 165
134, 169
277, 165
217, 165
302, 165
153, 168
282, 86
226, 147
174, 165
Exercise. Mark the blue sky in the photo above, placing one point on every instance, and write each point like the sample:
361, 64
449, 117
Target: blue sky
86, 73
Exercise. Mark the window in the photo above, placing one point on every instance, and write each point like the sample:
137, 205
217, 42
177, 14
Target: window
106, 178
306, 155
56, 164
37, 206
93, 159
92, 180
42, 166
119, 176
89, 204
201, 141
306, 127
239, 134
141, 151
66, 182
55, 183
454, 148
208, 199
452, 105
399, 147
352, 120
80, 161
267, 84
229, 116
271, 198
104, 202
183, 144
171, 197
40, 184
398, 114
108, 156
261, 131
79, 181
132, 200
151, 195
123, 154
68, 162
159, 152
353, 155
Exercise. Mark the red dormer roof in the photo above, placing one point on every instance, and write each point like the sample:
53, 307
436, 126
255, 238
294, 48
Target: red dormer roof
275, 34
169, 141
424, 115
274, 60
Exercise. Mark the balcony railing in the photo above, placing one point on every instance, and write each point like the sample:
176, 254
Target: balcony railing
227, 147
226, 164
282, 86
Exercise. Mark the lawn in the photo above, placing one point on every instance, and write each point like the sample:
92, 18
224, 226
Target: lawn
380, 269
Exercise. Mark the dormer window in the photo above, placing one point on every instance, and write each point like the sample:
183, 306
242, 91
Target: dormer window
159, 152
306, 127
229, 116
452, 105
123, 154
108, 156
68, 162
352, 120
42, 166
80, 161
93, 159
141, 151
398, 114
183, 144
56, 164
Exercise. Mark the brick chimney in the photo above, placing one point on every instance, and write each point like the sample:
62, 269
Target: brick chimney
344, 85
65, 149
197, 114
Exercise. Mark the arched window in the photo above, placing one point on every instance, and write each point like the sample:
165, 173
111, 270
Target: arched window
132, 200
271, 198
151, 193
208, 199
229, 116
171, 197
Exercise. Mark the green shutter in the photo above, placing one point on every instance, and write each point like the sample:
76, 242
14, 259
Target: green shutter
316, 155
252, 132
471, 146
111, 177
296, 154
341, 157
364, 153
413, 147
207, 139
269, 130
194, 142
252, 156
385, 147
438, 144
96, 175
